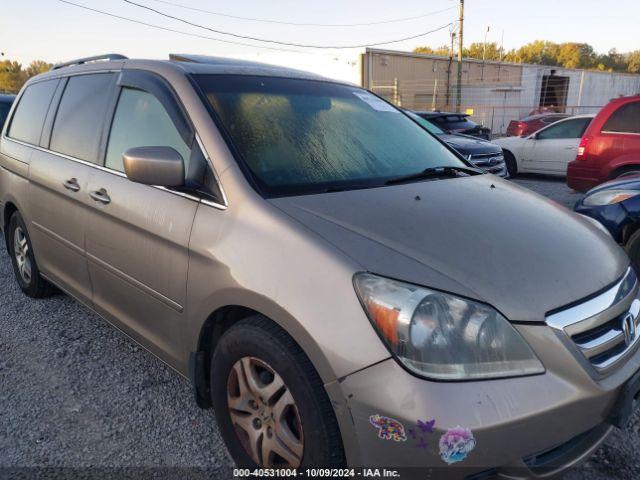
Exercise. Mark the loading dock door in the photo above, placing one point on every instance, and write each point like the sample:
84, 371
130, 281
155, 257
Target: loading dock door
553, 92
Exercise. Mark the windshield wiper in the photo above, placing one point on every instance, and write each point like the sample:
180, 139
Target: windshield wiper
434, 172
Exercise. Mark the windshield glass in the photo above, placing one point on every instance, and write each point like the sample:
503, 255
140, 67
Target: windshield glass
304, 136
425, 123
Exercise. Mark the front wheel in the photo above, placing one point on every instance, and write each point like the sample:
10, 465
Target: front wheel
270, 403
512, 166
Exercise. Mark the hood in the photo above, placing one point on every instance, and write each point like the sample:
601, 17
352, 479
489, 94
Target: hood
468, 145
629, 182
478, 236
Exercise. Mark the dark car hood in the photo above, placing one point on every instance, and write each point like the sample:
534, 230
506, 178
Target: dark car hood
479, 236
631, 182
468, 145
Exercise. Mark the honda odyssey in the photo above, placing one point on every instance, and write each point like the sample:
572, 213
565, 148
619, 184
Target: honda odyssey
336, 282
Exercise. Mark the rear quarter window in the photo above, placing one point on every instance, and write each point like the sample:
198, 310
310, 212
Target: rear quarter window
78, 125
625, 119
27, 121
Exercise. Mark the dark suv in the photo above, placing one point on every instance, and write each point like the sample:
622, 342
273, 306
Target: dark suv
456, 123
5, 105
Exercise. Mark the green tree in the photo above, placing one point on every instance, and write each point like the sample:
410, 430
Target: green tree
576, 55
633, 61
37, 67
426, 50
11, 76
477, 49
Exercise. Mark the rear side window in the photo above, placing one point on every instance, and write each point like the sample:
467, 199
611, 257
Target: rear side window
141, 121
624, 120
573, 128
28, 119
80, 117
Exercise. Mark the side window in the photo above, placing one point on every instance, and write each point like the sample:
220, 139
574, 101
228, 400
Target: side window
624, 120
568, 129
140, 120
78, 125
27, 121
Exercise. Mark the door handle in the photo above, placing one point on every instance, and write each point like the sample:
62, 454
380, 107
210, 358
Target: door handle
569, 148
72, 184
100, 196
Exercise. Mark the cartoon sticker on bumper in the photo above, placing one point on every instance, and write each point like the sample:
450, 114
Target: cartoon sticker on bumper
388, 428
455, 444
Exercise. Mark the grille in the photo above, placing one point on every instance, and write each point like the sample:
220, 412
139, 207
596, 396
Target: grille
493, 162
603, 329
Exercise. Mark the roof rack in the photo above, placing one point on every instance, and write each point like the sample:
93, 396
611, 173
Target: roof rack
80, 61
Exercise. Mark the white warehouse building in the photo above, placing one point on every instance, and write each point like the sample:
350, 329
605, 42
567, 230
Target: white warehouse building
494, 93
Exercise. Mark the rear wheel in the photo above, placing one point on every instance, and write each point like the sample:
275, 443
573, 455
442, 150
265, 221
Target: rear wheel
270, 403
510, 161
24, 263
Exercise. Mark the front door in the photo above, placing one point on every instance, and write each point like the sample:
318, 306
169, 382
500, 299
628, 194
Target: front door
556, 145
137, 237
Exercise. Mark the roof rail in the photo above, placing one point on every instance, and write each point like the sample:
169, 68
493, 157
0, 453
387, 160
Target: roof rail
80, 61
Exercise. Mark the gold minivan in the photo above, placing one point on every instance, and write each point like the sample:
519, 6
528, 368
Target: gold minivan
336, 282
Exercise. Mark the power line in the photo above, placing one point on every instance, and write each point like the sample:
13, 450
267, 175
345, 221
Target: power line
281, 22
181, 32
290, 44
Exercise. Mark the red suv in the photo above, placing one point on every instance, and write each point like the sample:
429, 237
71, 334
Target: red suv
610, 147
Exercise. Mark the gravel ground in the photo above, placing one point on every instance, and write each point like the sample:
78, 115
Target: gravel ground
76, 393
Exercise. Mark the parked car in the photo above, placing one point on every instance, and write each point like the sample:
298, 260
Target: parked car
456, 123
616, 205
547, 151
5, 106
532, 123
481, 153
610, 148
342, 288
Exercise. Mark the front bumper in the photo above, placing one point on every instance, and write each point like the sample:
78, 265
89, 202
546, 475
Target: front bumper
506, 426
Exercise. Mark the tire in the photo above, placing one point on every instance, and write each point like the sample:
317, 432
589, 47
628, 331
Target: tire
23, 260
510, 162
255, 345
633, 250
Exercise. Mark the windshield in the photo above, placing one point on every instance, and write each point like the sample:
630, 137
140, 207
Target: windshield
304, 136
427, 125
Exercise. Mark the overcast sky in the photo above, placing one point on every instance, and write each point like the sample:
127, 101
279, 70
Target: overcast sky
54, 31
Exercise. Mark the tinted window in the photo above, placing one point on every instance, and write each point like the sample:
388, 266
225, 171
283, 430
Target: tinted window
141, 121
298, 136
27, 122
573, 128
80, 117
624, 120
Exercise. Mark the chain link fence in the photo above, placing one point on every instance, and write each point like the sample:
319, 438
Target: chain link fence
493, 106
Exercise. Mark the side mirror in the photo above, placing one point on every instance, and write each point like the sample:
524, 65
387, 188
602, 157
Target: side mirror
161, 166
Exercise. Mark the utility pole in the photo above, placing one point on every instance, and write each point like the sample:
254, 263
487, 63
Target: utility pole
453, 38
484, 52
460, 43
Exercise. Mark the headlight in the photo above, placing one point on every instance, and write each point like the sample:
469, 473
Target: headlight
441, 336
608, 197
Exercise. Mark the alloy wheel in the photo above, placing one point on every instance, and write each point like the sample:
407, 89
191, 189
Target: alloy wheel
20, 251
264, 414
